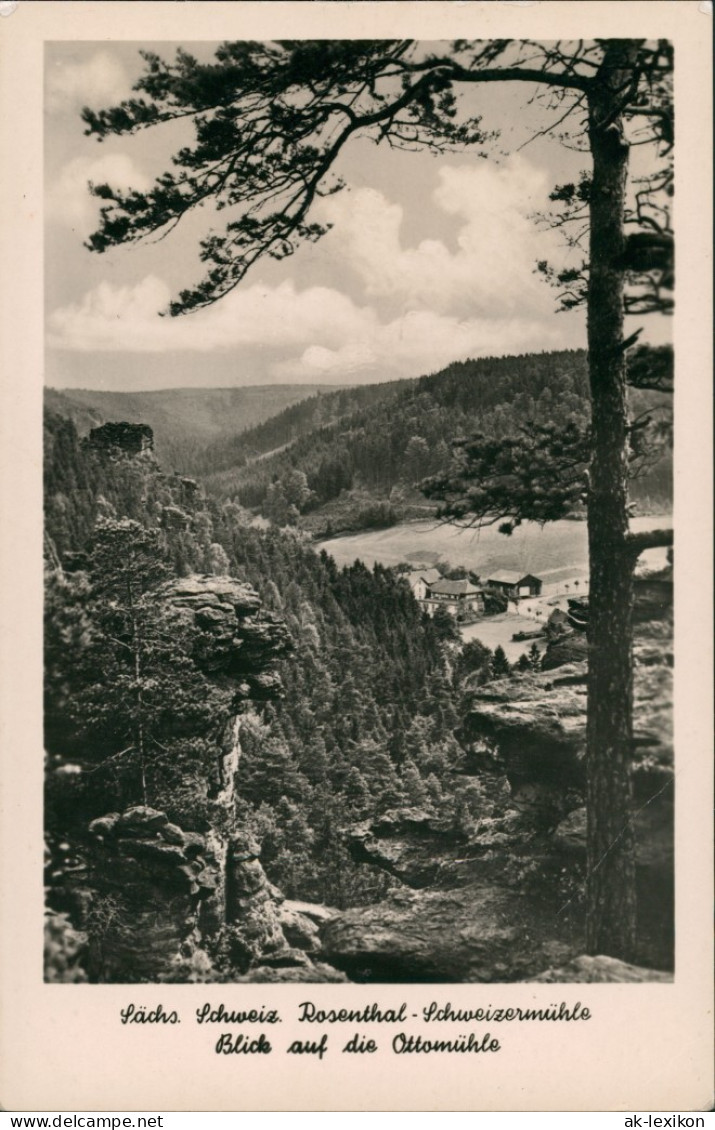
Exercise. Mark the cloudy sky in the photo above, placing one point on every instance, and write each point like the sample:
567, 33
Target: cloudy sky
430, 259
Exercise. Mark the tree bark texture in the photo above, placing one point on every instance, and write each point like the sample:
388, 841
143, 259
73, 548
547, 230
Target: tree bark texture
611, 909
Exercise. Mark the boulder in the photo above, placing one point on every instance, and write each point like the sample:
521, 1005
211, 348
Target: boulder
316, 912
569, 647
300, 931
405, 842
317, 972
480, 933
194, 842
586, 969
104, 825
173, 834
140, 820
157, 851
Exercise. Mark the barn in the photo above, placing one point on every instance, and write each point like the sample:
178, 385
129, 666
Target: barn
515, 585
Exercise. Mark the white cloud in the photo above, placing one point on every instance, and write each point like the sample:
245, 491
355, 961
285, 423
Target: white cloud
489, 274
100, 81
419, 307
417, 343
126, 319
68, 199
310, 335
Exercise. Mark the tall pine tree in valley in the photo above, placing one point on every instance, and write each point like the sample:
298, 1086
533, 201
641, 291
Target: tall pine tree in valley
144, 700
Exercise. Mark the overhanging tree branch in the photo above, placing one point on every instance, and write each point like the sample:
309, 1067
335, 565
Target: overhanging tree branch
649, 539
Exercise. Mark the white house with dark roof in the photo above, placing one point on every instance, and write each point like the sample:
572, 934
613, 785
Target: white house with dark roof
433, 591
420, 580
458, 597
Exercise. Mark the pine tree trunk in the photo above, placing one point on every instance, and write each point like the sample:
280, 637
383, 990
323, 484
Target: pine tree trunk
611, 910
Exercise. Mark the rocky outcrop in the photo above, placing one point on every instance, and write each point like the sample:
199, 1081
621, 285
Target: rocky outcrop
234, 640
121, 438
253, 926
566, 647
268, 938
172, 899
163, 895
538, 719
403, 843
587, 969
480, 933
155, 887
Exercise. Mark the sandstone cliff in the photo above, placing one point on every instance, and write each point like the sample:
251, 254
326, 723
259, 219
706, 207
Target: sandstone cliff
501, 900
162, 903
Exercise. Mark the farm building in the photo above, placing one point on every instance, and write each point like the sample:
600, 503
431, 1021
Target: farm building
433, 591
515, 585
458, 597
421, 579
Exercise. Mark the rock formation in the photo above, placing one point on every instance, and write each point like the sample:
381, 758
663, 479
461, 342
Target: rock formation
171, 901
235, 640
594, 969
167, 903
115, 438
480, 933
524, 741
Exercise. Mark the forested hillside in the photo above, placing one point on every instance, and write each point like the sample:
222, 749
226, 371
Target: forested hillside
334, 460
232, 721
184, 420
365, 722
372, 457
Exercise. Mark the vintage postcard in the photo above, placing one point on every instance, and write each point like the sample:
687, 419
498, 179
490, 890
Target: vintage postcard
356, 602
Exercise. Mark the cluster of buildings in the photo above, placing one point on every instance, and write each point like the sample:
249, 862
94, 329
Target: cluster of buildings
466, 600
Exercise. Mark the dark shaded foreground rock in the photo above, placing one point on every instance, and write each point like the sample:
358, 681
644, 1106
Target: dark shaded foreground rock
594, 969
481, 933
535, 726
171, 900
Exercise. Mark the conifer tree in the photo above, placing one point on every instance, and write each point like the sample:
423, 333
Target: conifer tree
500, 664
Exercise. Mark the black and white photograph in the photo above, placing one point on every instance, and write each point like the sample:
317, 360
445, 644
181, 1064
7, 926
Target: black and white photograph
360, 463
358, 489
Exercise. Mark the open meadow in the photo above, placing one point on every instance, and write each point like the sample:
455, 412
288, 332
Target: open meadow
553, 552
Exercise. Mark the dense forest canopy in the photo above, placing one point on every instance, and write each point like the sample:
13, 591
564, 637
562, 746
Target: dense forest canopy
379, 452
367, 720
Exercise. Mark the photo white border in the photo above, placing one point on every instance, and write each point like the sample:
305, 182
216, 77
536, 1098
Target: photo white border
62, 1047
